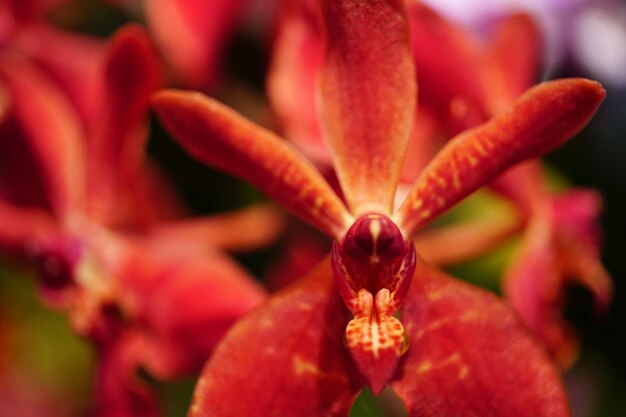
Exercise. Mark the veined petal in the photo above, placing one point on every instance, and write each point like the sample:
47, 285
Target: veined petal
542, 119
53, 132
287, 358
367, 98
220, 137
130, 75
464, 355
248, 228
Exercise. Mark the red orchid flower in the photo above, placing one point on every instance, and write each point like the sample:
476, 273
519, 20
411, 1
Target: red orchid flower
445, 347
81, 201
561, 238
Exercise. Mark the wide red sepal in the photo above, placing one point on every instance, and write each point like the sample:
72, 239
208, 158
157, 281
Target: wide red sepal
42, 116
285, 359
470, 355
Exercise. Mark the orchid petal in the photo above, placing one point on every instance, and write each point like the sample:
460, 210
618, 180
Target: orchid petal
131, 74
222, 138
542, 119
472, 80
533, 286
367, 98
464, 355
52, 130
558, 252
444, 75
191, 35
512, 62
245, 229
72, 60
456, 243
287, 358
297, 58
185, 304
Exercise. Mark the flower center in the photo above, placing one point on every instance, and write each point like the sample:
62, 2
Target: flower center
373, 267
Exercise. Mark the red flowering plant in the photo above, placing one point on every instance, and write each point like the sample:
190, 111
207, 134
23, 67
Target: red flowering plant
80, 201
375, 313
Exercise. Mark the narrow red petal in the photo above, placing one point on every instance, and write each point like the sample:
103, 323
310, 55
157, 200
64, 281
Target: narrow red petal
245, 229
287, 358
368, 94
464, 355
456, 243
296, 61
220, 137
52, 131
130, 75
542, 119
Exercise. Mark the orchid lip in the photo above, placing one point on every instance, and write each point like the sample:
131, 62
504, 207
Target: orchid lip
373, 266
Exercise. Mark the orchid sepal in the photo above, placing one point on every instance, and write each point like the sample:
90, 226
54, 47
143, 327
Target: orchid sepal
539, 121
